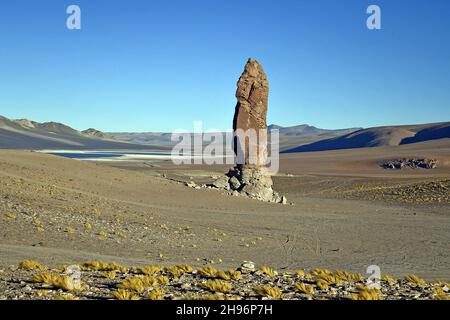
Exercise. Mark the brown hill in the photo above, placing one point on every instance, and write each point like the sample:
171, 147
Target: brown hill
380, 136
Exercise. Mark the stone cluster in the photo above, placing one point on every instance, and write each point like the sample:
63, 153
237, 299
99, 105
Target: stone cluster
410, 163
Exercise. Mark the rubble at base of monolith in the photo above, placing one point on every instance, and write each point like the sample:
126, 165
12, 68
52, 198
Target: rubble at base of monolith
249, 182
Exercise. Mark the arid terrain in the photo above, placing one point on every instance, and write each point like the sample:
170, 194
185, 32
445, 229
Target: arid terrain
345, 212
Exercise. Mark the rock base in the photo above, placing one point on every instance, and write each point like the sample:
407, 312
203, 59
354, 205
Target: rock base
250, 182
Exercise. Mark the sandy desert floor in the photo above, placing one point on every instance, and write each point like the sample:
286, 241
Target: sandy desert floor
345, 213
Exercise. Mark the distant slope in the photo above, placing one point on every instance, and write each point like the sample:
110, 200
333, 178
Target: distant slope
26, 134
289, 136
380, 136
305, 130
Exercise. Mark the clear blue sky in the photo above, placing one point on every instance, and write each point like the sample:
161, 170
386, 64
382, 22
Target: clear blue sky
154, 65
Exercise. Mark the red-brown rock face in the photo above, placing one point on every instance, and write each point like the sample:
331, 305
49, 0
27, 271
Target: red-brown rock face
250, 115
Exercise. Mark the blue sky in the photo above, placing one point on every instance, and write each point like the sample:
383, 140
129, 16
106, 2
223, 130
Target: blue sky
154, 65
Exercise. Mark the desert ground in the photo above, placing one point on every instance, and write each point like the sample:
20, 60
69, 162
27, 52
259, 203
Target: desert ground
344, 212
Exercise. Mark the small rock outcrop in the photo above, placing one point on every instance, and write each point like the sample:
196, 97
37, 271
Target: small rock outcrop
410, 163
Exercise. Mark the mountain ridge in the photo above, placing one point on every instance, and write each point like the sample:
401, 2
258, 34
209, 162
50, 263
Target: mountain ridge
379, 136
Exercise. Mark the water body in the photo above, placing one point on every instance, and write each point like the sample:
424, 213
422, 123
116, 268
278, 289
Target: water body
86, 155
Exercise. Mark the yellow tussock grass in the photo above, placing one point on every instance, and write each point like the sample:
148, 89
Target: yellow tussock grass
32, 265
268, 291
216, 286
122, 294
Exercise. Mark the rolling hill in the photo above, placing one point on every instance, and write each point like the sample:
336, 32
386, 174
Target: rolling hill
379, 136
26, 134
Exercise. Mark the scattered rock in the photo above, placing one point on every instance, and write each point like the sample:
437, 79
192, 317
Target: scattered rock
221, 183
247, 267
410, 163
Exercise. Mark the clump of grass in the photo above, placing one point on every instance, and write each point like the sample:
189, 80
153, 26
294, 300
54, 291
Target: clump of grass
37, 222
178, 271
300, 273
102, 235
11, 216
268, 271
229, 275
70, 229
320, 272
185, 267
268, 291
109, 275
210, 297
101, 266
120, 234
175, 272
149, 270
66, 297
388, 279
88, 226
122, 294
163, 280
416, 281
42, 293
31, 265
322, 284
139, 283
304, 288
330, 279
347, 276
133, 283
209, 272
442, 297
57, 281
156, 294
365, 293
216, 286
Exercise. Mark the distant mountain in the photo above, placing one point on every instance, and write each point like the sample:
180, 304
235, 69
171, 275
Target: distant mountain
26, 134
379, 136
95, 133
289, 136
307, 130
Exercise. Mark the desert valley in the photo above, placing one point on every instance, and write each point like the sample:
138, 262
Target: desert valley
345, 210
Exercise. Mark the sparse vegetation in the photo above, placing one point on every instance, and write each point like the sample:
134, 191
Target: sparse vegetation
207, 272
304, 288
365, 293
268, 291
268, 271
57, 281
101, 266
149, 270
415, 281
216, 286
32, 265
322, 284
156, 283
122, 294
109, 275
156, 294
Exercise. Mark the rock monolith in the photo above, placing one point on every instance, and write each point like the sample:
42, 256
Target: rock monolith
249, 177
